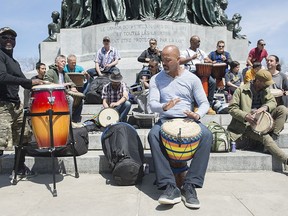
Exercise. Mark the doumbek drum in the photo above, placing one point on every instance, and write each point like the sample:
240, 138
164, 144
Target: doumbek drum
218, 72
43, 98
264, 124
203, 71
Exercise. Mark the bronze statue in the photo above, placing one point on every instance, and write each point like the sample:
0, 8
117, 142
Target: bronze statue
149, 9
234, 26
54, 27
173, 10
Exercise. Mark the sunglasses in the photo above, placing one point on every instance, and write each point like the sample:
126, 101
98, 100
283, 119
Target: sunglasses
4, 37
106, 41
262, 44
221, 46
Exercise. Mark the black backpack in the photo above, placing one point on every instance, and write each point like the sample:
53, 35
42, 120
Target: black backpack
124, 151
94, 93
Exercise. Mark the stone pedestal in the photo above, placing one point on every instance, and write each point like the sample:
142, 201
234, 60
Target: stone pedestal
131, 38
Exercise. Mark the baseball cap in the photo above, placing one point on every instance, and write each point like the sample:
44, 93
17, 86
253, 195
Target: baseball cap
106, 38
7, 30
264, 76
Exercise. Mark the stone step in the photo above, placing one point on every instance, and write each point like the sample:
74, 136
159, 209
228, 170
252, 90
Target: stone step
95, 162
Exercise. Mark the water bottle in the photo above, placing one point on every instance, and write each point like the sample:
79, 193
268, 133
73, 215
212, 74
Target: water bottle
146, 168
233, 147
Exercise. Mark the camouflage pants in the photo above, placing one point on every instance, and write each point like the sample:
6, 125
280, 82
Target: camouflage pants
11, 118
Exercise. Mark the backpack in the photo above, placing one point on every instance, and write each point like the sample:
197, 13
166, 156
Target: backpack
124, 151
94, 93
221, 138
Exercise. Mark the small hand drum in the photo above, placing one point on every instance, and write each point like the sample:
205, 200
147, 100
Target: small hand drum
264, 123
277, 93
218, 72
77, 98
77, 78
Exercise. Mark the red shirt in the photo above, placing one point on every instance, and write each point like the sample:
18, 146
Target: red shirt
257, 55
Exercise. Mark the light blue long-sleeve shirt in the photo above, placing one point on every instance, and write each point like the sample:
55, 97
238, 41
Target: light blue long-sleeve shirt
187, 87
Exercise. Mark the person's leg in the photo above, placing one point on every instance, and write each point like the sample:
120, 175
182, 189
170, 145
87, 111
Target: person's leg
199, 162
279, 115
92, 72
76, 114
211, 89
123, 110
163, 171
269, 144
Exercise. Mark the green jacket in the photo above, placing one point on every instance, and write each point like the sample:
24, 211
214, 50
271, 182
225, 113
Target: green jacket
241, 105
52, 75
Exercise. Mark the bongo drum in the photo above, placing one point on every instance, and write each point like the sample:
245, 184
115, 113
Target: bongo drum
277, 93
218, 72
43, 98
180, 138
203, 71
77, 98
136, 89
77, 78
264, 123
107, 117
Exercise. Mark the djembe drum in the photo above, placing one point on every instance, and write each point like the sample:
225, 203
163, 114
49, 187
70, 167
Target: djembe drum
277, 93
77, 98
106, 117
180, 138
264, 124
218, 72
78, 79
203, 71
43, 98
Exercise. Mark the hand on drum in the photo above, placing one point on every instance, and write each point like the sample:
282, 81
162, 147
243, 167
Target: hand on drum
114, 104
37, 82
192, 115
73, 89
251, 117
171, 104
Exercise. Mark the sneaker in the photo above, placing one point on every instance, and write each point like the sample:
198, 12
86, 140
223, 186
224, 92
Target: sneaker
211, 112
171, 195
189, 196
25, 172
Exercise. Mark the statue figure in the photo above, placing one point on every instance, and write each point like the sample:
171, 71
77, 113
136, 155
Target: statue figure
114, 10
149, 9
202, 12
234, 26
54, 27
132, 9
221, 16
173, 10
87, 14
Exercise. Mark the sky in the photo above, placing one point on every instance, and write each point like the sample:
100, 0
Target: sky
260, 19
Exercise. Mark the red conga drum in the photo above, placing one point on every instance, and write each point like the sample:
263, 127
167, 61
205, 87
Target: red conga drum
43, 98
218, 72
203, 71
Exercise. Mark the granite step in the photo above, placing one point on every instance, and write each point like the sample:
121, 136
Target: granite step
95, 162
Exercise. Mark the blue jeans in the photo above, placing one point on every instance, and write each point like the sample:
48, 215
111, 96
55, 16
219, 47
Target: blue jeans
198, 165
123, 110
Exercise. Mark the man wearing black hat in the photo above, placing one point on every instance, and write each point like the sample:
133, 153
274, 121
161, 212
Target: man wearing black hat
248, 102
115, 95
11, 110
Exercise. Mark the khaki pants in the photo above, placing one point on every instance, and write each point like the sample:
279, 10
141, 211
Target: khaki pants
279, 115
11, 118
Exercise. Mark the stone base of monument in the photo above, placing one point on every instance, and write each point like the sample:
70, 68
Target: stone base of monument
131, 38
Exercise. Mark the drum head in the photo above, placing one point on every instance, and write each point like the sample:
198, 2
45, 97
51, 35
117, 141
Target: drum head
264, 123
108, 116
47, 87
184, 128
276, 92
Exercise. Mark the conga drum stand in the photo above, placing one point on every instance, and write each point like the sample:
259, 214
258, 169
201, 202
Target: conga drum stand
49, 113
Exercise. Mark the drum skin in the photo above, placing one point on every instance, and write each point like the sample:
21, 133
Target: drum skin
180, 146
264, 123
40, 124
106, 117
